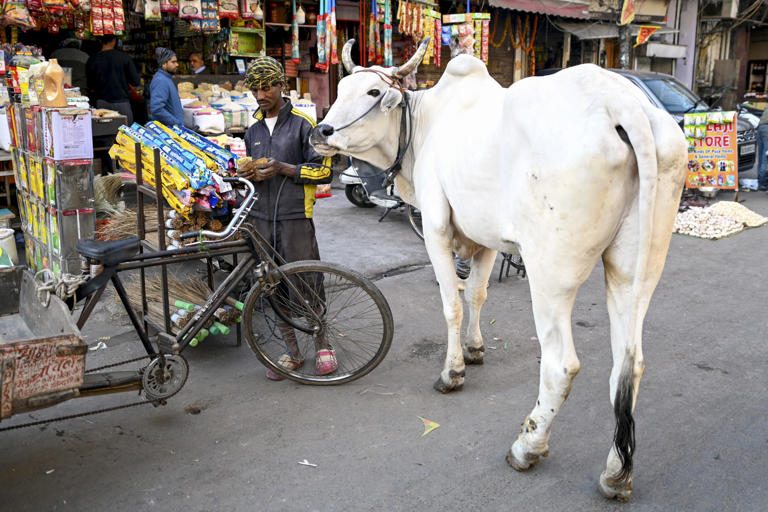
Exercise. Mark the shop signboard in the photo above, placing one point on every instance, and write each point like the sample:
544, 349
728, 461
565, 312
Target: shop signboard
712, 150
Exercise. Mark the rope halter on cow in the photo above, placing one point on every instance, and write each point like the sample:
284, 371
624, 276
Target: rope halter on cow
392, 80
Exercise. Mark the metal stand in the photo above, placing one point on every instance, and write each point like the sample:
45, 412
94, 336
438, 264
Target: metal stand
145, 191
507, 260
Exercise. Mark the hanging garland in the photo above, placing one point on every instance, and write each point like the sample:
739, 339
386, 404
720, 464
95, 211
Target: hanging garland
526, 40
507, 31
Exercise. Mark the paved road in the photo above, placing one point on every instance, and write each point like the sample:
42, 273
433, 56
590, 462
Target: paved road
702, 435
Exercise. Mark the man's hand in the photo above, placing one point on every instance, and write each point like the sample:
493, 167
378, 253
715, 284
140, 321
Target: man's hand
248, 170
274, 167
264, 169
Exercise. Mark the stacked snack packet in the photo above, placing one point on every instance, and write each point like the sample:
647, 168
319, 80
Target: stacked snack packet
192, 167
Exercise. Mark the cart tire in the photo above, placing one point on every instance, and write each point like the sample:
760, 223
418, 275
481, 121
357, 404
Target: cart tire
336, 304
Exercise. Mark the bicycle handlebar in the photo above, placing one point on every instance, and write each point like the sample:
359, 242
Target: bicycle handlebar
237, 218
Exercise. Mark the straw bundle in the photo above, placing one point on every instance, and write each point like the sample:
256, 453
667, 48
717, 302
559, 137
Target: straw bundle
191, 291
122, 224
106, 190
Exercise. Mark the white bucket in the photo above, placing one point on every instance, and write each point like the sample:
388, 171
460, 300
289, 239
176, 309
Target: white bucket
8, 244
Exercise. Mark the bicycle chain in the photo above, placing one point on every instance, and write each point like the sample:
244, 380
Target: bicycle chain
79, 415
96, 411
116, 364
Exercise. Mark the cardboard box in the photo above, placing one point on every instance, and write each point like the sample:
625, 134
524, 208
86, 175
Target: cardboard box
68, 133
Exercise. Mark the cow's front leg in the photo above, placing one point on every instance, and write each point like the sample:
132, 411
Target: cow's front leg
475, 296
439, 248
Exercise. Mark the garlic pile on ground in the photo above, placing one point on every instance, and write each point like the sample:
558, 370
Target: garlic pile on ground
717, 221
703, 223
739, 213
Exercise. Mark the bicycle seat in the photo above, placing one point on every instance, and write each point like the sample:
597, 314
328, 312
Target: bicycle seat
111, 252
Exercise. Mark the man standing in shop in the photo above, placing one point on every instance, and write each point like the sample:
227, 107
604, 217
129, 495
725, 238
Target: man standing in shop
71, 56
762, 148
285, 170
111, 73
164, 101
197, 64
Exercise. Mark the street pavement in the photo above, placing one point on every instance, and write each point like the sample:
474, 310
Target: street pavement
232, 440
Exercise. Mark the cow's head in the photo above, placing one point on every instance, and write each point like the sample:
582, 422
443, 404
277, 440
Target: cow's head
364, 121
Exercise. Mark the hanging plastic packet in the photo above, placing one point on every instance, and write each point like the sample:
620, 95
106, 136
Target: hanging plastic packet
169, 6
388, 33
16, 13
321, 35
295, 55
439, 33
248, 9
372, 34
152, 10
228, 9
190, 9
334, 59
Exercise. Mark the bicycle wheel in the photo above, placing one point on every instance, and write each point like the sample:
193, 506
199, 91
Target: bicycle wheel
414, 218
316, 306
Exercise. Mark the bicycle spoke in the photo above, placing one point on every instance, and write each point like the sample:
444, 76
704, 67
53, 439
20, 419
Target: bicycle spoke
351, 314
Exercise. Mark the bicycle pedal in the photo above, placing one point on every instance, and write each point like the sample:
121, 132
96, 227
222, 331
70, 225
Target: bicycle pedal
166, 344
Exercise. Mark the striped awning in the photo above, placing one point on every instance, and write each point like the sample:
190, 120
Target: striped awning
578, 9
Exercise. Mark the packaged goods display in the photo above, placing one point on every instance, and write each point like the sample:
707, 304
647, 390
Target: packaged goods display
55, 194
192, 167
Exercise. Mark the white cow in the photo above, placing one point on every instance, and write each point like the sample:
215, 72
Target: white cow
566, 169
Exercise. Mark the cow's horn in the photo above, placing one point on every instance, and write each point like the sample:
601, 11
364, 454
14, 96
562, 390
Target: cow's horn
414, 61
346, 56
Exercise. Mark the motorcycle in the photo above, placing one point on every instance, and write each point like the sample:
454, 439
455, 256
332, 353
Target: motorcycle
365, 186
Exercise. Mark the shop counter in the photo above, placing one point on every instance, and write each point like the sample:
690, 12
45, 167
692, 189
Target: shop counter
104, 133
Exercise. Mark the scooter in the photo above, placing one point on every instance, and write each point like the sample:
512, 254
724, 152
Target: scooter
365, 186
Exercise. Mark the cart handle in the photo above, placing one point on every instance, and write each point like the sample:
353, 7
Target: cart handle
237, 218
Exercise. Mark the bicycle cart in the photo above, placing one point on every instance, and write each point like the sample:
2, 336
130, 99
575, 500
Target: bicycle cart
299, 306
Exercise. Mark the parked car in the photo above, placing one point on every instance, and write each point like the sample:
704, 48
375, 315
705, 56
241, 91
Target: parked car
666, 92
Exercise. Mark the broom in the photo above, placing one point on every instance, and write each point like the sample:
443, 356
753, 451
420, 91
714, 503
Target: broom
188, 295
106, 192
122, 224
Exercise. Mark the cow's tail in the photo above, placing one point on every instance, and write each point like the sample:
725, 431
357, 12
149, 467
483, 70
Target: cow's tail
637, 125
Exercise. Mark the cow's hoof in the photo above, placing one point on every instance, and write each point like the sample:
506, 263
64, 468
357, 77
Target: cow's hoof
614, 489
473, 355
455, 382
524, 460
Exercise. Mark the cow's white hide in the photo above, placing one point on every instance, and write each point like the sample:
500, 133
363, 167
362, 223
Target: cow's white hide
568, 169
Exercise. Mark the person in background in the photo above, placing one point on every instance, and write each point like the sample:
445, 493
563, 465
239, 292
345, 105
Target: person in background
285, 170
71, 56
197, 64
111, 73
164, 101
762, 148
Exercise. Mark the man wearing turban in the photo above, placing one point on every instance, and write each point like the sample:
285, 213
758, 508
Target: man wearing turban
285, 170
164, 101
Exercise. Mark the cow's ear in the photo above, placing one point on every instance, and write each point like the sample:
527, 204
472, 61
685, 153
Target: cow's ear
391, 99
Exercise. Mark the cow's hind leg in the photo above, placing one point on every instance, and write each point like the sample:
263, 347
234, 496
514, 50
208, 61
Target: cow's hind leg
475, 295
552, 308
627, 305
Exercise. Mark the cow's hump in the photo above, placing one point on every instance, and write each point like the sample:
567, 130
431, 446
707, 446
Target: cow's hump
463, 66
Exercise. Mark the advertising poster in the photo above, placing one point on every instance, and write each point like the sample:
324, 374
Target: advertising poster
712, 153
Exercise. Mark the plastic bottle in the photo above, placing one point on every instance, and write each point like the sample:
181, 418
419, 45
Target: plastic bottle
53, 89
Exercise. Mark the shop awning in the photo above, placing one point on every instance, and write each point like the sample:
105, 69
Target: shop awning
603, 30
566, 8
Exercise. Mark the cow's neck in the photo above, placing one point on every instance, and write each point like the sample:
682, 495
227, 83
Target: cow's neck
404, 179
